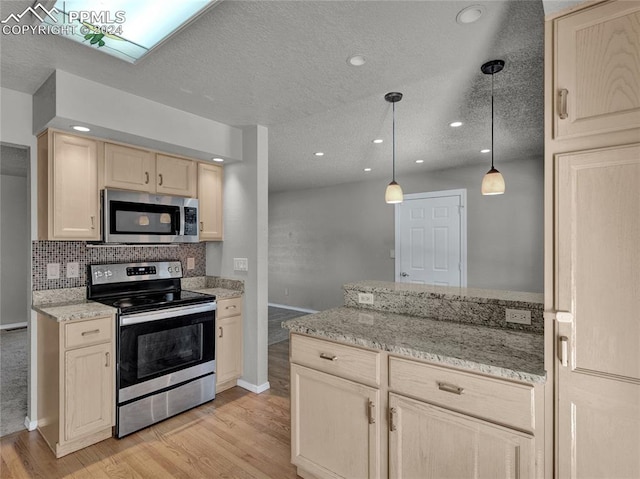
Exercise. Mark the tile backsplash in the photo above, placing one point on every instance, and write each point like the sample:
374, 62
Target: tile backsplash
63, 252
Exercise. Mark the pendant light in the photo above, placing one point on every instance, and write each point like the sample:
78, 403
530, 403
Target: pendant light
393, 194
493, 182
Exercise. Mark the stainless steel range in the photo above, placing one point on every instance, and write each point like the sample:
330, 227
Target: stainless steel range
165, 344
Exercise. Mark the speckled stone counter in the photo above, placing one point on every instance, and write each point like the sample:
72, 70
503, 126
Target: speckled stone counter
463, 305
74, 310
504, 353
198, 283
220, 293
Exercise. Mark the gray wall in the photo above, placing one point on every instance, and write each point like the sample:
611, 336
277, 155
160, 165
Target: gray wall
320, 239
14, 235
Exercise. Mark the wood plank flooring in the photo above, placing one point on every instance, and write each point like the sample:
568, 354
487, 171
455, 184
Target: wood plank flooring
238, 435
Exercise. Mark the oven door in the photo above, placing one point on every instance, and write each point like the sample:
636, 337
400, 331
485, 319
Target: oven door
161, 349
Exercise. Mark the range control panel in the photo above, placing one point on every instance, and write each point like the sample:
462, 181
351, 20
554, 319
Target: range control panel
124, 272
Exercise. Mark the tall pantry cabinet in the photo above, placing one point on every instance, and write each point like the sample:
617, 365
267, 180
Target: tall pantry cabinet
592, 238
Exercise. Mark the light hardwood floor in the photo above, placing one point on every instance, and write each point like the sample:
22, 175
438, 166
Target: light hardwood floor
238, 435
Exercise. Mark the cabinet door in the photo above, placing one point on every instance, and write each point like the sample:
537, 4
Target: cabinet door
598, 294
335, 425
176, 176
228, 349
426, 441
210, 201
597, 70
129, 168
88, 390
73, 189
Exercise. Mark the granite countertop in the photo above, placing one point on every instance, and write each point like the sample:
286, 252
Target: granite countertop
220, 293
75, 310
499, 352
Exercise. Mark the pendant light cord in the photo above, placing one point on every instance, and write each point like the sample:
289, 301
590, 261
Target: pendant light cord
394, 141
492, 121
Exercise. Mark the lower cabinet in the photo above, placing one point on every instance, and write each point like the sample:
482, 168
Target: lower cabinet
355, 410
76, 382
228, 343
427, 441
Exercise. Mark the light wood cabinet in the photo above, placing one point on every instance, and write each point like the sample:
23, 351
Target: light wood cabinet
335, 426
592, 224
427, 441
68, 193
228, 343
210, 201
136, 169
597, 70
76, 382
129, 168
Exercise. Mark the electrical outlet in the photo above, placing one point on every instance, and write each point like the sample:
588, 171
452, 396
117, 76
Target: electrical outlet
286, 291
365, 298
240, 264
73, 270
53, 270
519, 316
191, 263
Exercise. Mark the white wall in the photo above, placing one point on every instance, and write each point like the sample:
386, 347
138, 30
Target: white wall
245, 236
320, 239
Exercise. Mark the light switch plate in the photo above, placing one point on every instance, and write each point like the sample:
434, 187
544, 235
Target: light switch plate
53, 270
73, 270
240, 264
191, 263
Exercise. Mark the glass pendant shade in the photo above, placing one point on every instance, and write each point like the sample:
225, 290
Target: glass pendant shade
493, 183
393, 194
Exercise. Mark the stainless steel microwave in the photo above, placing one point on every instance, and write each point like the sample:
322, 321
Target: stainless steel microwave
130, 217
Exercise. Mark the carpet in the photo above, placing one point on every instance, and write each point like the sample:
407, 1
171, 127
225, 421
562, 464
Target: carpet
13, 380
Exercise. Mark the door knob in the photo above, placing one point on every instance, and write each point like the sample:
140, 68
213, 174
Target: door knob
404, 275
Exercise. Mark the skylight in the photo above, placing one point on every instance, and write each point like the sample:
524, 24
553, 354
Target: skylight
127, 29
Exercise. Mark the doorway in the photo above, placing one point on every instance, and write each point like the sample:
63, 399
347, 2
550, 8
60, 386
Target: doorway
431, 238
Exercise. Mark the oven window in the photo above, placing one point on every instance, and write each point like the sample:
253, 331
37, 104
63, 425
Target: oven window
163, 351
141, 218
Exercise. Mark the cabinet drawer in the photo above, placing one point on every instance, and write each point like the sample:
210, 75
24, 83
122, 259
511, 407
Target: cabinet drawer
338, 359
500, 401
229, 307
84, 333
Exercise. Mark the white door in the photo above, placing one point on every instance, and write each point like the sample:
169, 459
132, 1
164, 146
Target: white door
431, 238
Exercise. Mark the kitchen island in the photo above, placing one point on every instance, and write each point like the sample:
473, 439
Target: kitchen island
376, 393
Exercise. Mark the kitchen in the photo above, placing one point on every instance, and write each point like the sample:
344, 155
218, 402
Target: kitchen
248, 236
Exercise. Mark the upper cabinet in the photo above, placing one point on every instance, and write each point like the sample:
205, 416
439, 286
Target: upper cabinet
141, 170
597, 70
129, 168
210, 201
68, 191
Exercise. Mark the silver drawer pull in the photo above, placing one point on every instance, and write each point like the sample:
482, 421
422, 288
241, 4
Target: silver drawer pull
450, 388
233, 306
328, 357
93, 331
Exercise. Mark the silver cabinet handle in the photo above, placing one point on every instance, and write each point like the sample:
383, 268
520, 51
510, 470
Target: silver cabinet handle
392, 422
107, 359
562, 104
564, 351
160, 175
221, 332
233, 306
93, 331
201, 226
328, 357
449, 388
146, 174
372, 412
93, 222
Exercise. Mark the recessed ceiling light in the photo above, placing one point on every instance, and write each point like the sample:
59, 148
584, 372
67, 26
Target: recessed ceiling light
486, 150
367, 169
377, 141
470, 14
356, 60
319, 153
81, 128
419, 161
218, 160
456, 124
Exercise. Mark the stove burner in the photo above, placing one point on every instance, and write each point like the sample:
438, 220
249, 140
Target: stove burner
128, 302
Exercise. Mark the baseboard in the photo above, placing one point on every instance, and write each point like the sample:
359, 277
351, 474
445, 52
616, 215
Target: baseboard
13, 326
293, 308
252, 387
29, 424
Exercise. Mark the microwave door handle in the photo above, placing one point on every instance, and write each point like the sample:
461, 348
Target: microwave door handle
181, 219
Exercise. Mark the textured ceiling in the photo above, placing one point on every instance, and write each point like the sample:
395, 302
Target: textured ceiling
283, 64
